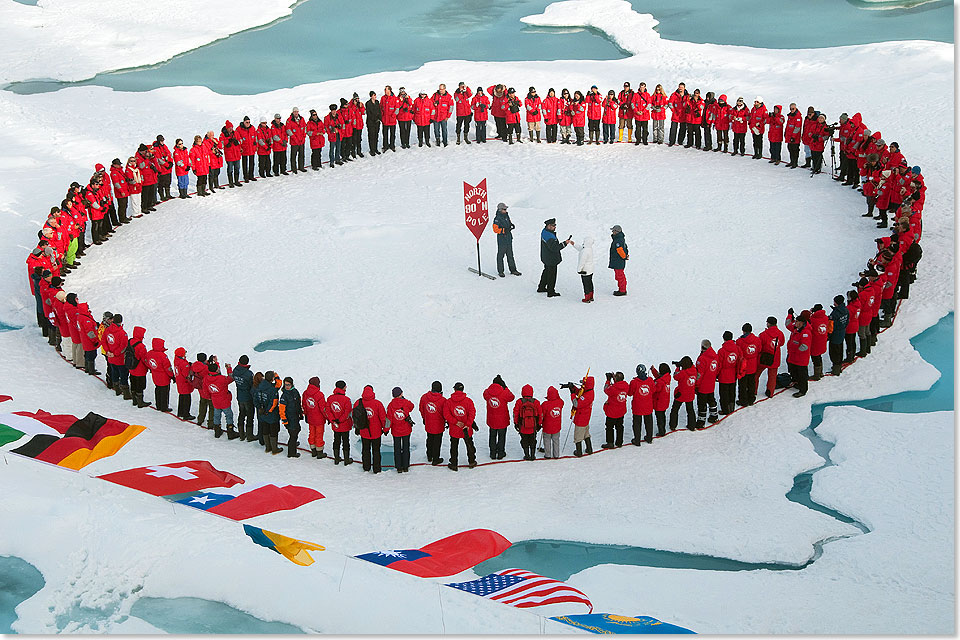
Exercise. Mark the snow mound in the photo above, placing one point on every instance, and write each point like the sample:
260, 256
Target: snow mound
73, 41
631, 31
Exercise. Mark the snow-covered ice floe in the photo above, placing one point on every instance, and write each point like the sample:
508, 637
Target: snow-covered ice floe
356, 256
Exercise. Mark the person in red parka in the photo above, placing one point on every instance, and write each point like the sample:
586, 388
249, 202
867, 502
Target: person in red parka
641, 405
731, 363
658, 112
357, 114
481, 113
608, 118
389, 110
371, 434
138, 374
739, 115
114, 343
264, 145
462, 97
296, 130
677, 102
711, 110
315, 131
707, 369
565, 115
404, 117
534, 110
686, 377
442, 108
182, 370
278, 144
431, 410
749, 345
853, 326
577, 107
200, 163
819, 337
798, 350
162, 372
594, 104
581, 400
758, 122
88, 338
217, 386
231, 153
315, 413
792, 134
198, 372
423, 112
164, 162
775, 133
214, 147
771, 344
661, 395
512, 116
551, 114
181, 163
338, 412
615, 408
498, 108
551, 422
625, 113
722, 124
693, 117
498, 398
147, 164
819, 134
400, 424
526, 420
640, 106
247, 135
460, 414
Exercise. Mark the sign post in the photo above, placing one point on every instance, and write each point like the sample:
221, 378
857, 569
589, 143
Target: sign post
476, 216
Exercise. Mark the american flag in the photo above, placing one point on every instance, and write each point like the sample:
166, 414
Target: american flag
522, 589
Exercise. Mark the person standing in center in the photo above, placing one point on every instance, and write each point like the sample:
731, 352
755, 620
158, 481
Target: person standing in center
641, 405
315, 413
291, 413
372, 107
498, 398
371, 435
481, 112
459, 413
431, 410
771, 344
550, 249
462, 97
401, 424
615, 408
389, 110
798, 350
503, 227
840, 318
338, 412
749, 345
442, 108
315, 131
526, 420
731, 364
585, 265
619, 254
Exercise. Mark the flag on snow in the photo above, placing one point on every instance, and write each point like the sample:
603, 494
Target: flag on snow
610, 623
4, 398
173, 478
248, 502
83, 441
445, 557
294, 550
522, 589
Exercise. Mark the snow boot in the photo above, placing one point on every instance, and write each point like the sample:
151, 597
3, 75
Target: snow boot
817, 372
836, 369
619, 293
620, 136
538, 137
275, 448
458, 138
231, 434
313, 452
578, 451
509, 141
467, 140
588, 297
806, 165
125, 390
217, 431
586, 442
320, 454
138, 401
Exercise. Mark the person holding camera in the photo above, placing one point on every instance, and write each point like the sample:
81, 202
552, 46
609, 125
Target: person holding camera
550, 248
625, 114
820, 132
739, 115
641, 405
609, 117
792, 134
464, 111
615, 408
581, 397
533, 106
808, 123
481, 113
512, 116
404, 117
686, 376
798, 350
707, 369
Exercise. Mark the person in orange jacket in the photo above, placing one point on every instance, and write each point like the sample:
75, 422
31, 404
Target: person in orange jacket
315, 413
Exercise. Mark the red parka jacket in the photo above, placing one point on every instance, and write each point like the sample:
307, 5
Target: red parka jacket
181, 160
798, 347
583, 404
314, 406
551, 110
88, 327
181, 368
139, 351
738, 119
771, 341
775, 125
159, 364
686, 389
315, 131
707, 369
640, 106
498, 401
398, 411
338, 410
729, 358
278, 136
526, 426
442, 106
264, 140
248, 139
114, 343
661, 391
677, 102
594, 105
818, 326
462, 98
609, 111
431, 410
641, 393
749, 353
551, 412
459, 413
423, 111
793, 132
616, 404
658, 107
376, 414
296, 130
199, 160
389, 110
758, 119
481, 107
534, 106
217, 386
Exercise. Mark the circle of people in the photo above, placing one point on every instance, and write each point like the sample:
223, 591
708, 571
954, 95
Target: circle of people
90, 214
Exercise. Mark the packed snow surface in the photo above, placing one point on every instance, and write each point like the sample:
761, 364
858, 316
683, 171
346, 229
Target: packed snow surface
371, 260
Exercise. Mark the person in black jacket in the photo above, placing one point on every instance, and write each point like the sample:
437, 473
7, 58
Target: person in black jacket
840, 317
291, 413
267, 401
550, 248
243, 379
373, 123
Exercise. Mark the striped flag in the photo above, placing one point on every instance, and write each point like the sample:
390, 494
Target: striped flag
522, 589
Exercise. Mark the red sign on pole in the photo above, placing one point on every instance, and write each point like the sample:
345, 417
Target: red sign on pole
475, 207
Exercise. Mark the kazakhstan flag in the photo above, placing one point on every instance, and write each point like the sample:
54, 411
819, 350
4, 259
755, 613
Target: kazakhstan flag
611, 623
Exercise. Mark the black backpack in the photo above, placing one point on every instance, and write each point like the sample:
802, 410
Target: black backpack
359, 417
130, 360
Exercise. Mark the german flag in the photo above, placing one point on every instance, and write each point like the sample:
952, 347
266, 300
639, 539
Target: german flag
84, 441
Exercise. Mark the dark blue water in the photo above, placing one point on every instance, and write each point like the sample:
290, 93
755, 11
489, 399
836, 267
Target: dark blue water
7, 327
325, 40
284, 344
561, 559
195, 616
19, 580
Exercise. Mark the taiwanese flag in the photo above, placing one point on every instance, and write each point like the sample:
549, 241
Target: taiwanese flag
243, 503
84, 440
445, 557
173, 478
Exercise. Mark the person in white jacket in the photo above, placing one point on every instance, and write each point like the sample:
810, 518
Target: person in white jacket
585, 267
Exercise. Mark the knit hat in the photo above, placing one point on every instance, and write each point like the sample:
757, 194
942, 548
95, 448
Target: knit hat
228, 124
264, 119
758, 99
804, 316
916, 170
642, 372
99, 167
705, 344
276, 116
397, 392
315, 381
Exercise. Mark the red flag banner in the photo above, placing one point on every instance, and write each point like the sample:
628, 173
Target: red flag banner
178, 477
475, 207
445, 557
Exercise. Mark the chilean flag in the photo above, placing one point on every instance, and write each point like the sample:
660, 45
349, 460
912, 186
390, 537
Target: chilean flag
241, 503
445, 557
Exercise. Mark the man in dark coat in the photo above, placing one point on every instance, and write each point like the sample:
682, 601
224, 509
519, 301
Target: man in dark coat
840, 317
267, 401
373, 122
550, 248
503, 227
243, 378
291, 412
618, 259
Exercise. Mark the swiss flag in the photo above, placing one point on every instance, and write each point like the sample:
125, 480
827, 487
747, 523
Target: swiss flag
177, 477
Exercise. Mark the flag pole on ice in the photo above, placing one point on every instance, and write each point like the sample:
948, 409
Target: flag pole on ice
476, 216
